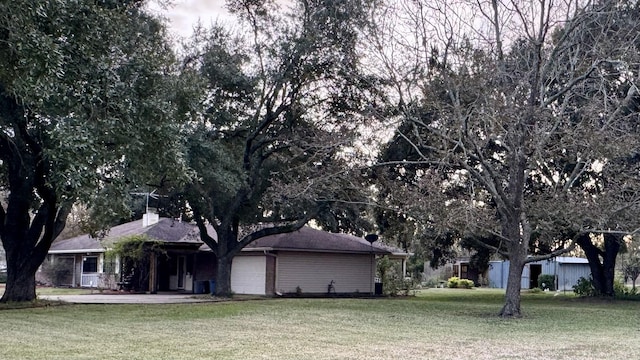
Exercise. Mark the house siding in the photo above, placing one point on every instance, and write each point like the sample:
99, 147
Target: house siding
313, 272
248, 275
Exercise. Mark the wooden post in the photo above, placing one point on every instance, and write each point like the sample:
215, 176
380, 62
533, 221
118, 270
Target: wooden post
153, 272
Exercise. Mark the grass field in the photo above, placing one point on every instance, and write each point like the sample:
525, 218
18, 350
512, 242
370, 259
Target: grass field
436, 324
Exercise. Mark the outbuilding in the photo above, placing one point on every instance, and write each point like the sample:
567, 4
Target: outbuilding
566, 271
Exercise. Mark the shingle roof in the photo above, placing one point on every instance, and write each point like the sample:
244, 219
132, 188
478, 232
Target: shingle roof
175, 232
310, 239
82, 243
166, 230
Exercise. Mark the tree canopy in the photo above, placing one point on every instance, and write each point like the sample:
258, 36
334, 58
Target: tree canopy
513, 124
271, 119
85, 113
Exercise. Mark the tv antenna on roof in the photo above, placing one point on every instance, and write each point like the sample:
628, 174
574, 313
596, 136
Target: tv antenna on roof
148, 195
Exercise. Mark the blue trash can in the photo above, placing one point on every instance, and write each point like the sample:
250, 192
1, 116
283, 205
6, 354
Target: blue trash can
212, 287
200, 287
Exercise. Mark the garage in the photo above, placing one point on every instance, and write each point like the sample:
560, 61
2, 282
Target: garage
249, 274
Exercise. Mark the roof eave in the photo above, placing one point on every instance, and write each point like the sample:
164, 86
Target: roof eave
76, 251
332, 251
400, 255
257, 249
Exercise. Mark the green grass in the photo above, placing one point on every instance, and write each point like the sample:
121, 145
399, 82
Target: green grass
55, 291
436, 324
39, 302
63, 291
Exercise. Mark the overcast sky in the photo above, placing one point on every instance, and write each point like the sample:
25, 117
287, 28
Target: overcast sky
184, 14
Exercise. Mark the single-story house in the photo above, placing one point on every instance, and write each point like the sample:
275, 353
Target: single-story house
567, 271
304, 261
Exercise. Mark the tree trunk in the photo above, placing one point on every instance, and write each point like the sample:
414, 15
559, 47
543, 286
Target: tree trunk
223, 276
23, 259
602, 272
593, 256
611, 249
26, 245
517, 231
511, 306
21, 280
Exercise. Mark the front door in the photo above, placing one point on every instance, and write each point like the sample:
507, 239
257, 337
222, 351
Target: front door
90, 276
181, 270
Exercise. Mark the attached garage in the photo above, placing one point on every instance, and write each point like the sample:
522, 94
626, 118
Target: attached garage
308, 261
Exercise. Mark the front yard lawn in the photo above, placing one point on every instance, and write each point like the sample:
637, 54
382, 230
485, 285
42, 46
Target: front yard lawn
43, 290
435, 324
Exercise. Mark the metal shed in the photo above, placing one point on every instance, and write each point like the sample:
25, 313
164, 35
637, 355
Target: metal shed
567, 271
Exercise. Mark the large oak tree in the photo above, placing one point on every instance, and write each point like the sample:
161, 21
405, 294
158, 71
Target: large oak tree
84, 114
272, 122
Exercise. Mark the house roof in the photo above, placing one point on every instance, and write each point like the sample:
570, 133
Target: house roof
313, 240
395, 252
180, 233
165, 230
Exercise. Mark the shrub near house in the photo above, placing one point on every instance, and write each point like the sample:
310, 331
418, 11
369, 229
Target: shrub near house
56, 274
547, 282
135, 253
455, 282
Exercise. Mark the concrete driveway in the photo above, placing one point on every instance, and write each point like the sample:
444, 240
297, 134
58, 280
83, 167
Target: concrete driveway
129, 298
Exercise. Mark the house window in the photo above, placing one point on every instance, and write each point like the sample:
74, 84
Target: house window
90, 264
464, 271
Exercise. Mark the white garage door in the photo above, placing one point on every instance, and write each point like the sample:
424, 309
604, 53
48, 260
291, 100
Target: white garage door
248, 275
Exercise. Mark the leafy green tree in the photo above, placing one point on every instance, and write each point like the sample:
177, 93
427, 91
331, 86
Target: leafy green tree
85, 113
272, 118
135, 254
510, 111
